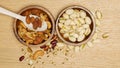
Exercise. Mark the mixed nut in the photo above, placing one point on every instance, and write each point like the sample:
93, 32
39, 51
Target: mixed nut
32, 37
74, 25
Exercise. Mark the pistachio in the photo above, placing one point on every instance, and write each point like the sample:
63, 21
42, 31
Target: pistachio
88, 20
98, 14
105, 35
69, 11
82, 14
81, 37
65, 16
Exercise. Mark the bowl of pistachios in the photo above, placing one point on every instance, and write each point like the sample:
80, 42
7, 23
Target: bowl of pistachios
75, 25
30, 37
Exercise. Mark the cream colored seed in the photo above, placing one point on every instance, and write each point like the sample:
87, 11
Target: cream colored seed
105, 35
60, 45
82, 31
61, 20
95, 36
81, 20
74, 35
97, 22
85, 26
73, 16
67, 22
82, 14
62, 30
72, 39
72, 23
98, 14
30, 62
65, 16
60, 25
81, 37
69, 11
87, 31
66, 35
88, 20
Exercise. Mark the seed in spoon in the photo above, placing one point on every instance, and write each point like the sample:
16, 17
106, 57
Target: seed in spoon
32, 19
39, 22
35, 24
28, 19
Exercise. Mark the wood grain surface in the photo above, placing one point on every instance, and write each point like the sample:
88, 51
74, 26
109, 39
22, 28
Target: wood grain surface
105, 54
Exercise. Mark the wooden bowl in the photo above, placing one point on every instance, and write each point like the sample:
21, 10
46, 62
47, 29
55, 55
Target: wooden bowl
92, 26
44, 10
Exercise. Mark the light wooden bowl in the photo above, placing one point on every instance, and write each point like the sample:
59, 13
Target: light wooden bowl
92, 26
43, 9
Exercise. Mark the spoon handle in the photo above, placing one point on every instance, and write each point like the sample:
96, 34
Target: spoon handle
9, 13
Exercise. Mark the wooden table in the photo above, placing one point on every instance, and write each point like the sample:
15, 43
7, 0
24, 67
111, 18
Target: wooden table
105, 54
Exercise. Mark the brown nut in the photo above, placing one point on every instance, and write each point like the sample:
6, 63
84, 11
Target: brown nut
28, 20
35, 24
32, 19
39, 22
37, 54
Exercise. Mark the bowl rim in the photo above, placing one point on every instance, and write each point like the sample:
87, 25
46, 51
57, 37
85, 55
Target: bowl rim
44, 10
93, 21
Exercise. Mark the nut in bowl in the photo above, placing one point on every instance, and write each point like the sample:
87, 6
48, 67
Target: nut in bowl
30, 37
75, 25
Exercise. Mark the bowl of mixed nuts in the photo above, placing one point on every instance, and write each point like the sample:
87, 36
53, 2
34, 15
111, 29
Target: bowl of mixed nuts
29, 37
75, 25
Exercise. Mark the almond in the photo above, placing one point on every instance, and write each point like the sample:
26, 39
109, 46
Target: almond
32, 19
28, 19
35, 24
39, 22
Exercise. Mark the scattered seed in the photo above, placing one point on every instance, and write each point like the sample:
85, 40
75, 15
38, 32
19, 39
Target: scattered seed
21, 58
29, 50
98, 14
105, 35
